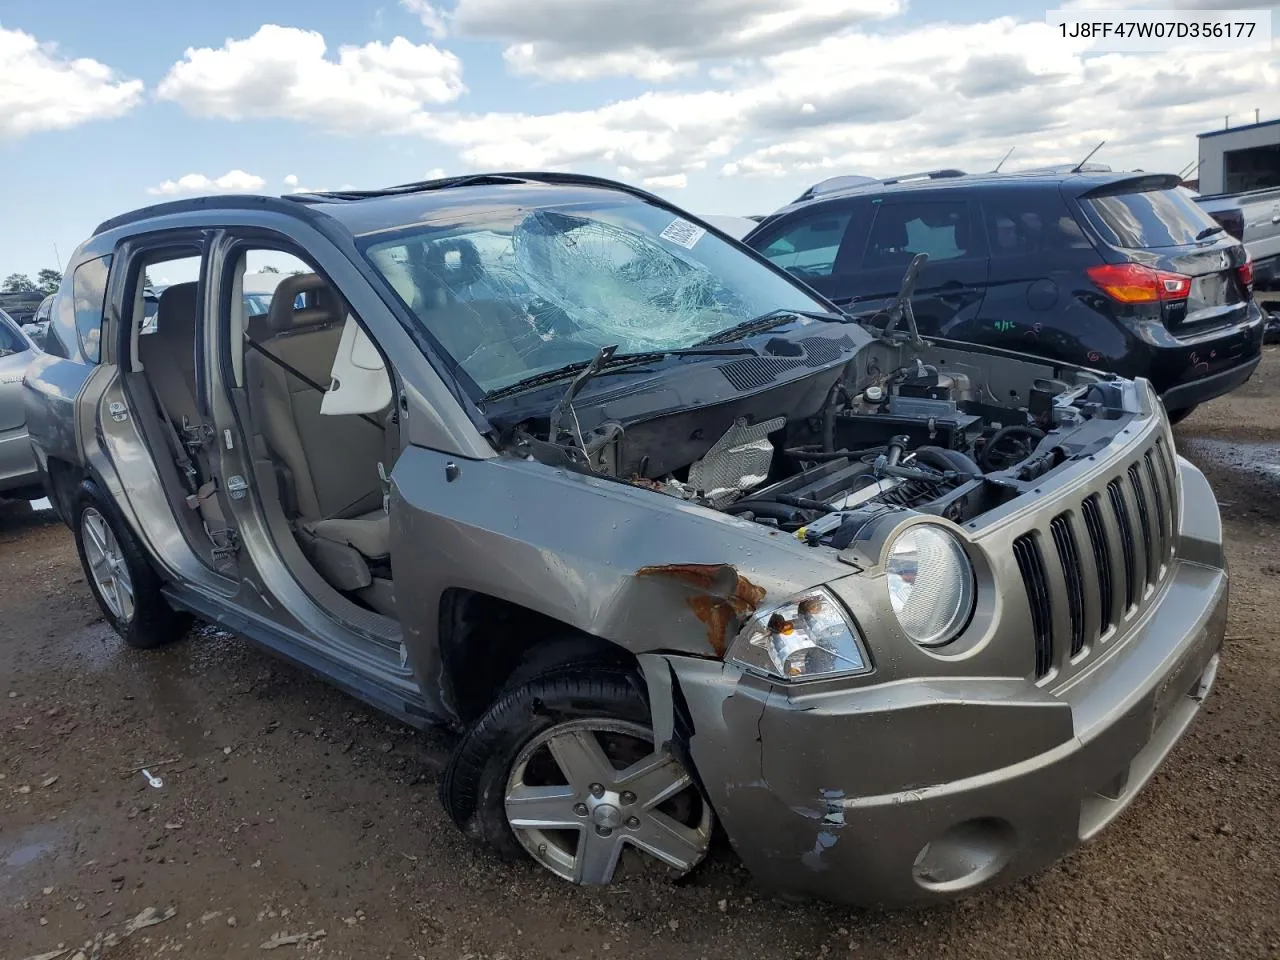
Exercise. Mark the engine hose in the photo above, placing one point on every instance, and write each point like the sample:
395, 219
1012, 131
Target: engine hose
829, 416
820, 456
945, 459
1013, 430
804, 503
764, 508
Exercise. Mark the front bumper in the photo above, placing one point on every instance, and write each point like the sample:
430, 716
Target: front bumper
920, 790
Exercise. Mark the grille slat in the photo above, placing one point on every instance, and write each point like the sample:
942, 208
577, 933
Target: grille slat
1121, 511
1064, 539
1163, 530
1036, 580
1092, 512
1150, 561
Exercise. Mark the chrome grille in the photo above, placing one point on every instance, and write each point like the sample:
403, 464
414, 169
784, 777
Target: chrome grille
1114, 545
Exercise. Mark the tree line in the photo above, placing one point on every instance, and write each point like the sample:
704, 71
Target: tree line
46, 282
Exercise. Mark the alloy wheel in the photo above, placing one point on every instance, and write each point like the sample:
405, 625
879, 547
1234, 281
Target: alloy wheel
583, 790
107, 564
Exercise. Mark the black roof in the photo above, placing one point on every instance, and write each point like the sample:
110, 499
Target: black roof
1074, 183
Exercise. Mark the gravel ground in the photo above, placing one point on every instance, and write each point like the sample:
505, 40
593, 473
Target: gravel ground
289, 810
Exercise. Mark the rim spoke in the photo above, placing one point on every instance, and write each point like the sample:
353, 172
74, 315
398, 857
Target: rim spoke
95, 536
542, 808
99, 565
581, 758
655, 779
124, 595
597, 858
669, 840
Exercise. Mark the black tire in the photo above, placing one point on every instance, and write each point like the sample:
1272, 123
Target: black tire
153, 623
473, 787
1177, 416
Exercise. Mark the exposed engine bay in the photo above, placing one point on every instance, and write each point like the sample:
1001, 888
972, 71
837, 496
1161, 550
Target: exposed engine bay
892, 423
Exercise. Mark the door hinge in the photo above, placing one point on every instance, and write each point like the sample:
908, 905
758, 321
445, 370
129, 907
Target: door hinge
119, 412
237, 487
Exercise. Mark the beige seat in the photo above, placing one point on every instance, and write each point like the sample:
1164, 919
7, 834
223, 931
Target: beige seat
168, 356
330, 463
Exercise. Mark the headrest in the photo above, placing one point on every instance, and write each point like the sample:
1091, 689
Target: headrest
327, 306
177, 300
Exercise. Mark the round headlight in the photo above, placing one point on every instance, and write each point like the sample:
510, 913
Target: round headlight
930, 584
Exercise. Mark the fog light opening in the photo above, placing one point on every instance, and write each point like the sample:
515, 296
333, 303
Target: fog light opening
968, 854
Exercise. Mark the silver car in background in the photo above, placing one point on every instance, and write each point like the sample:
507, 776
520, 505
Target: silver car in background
18, 477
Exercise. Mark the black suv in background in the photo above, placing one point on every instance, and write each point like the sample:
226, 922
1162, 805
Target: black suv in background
1120, 272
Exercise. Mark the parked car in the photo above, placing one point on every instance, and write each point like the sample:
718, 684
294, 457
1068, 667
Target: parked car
1116, 271
18, 477
38, 326
1254, 219
669, 539
21, 305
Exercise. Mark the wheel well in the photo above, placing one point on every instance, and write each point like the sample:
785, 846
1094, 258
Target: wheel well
488, 644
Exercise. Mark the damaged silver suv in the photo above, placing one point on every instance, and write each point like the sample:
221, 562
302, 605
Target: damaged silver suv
668, 539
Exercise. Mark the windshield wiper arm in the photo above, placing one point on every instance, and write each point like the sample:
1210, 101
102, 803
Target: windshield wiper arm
614, 361
566, 402
1208, 232
766, 321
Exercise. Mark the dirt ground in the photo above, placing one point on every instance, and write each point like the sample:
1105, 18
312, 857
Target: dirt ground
289, 809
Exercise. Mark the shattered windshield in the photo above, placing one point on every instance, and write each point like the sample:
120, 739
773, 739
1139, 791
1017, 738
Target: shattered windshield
511, 293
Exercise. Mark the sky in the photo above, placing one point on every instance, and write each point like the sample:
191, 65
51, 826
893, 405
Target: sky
722, 106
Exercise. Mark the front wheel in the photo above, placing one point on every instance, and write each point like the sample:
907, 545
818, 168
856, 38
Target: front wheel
565, 770
122, 580
1177, 416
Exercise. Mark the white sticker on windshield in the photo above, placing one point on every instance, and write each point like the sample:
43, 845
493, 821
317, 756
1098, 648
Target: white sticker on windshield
683, 233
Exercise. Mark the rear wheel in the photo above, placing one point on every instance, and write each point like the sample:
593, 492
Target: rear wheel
564, 769
122, 580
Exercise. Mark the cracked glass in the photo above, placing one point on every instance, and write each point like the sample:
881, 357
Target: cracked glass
510, 293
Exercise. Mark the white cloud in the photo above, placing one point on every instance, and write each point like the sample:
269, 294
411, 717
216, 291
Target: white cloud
672, 181
43, 90
430, 17
234, 181
291, 180
931, 96
655, 40
283, 72
435, 173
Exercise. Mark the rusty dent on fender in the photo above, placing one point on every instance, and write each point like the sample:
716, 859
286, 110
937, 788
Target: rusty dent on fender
724, 596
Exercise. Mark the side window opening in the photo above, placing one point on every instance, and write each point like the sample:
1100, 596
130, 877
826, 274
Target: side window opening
809, 247
939, 228
1032, 224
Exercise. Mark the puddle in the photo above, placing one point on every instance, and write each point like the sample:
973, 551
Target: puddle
30, 847
1259, 459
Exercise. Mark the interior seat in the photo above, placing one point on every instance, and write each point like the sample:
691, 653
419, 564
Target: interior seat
330, 480
168, 356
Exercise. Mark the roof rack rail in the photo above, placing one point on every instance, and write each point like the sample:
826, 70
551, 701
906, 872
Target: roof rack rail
926, 175
853, 181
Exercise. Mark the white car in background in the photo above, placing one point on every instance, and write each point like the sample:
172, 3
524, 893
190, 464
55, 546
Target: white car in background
18, 476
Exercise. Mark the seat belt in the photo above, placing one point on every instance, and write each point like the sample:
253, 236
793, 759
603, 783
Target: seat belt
190, 475
293, 371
